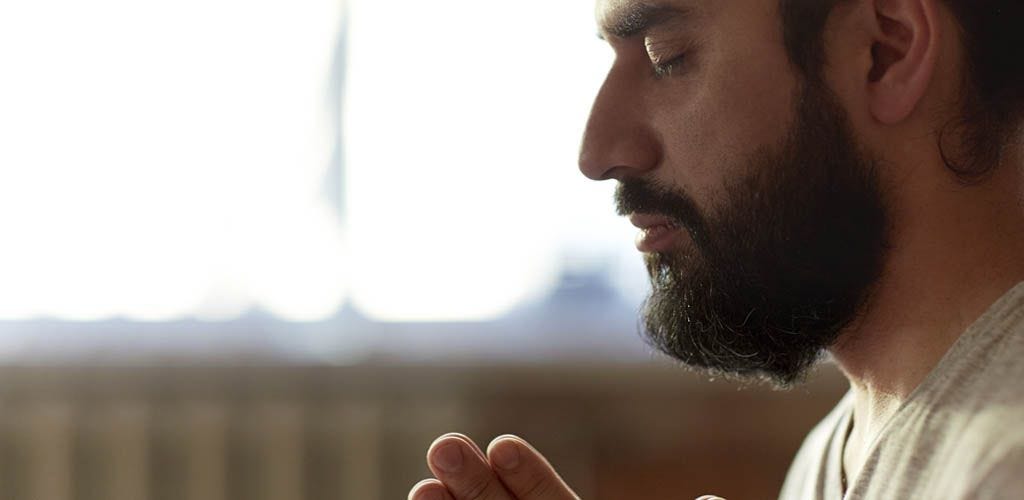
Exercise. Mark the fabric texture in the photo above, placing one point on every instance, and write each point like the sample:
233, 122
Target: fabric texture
959, 435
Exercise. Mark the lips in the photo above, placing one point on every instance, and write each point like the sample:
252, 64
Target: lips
657, 233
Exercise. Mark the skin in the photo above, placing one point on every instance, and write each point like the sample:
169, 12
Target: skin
895, 66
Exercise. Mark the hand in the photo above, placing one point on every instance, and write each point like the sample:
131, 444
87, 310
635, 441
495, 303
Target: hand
510, 470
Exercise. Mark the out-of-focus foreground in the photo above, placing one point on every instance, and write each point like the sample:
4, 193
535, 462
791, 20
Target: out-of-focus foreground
616, 431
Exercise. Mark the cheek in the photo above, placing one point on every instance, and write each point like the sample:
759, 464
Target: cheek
738, 99
713, 123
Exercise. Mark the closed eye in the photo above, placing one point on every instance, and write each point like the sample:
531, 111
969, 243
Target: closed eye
667, 68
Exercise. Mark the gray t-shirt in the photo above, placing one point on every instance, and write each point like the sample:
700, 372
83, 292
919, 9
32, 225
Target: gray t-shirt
959, 435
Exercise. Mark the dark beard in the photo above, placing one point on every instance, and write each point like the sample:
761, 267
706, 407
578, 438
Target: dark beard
773, 277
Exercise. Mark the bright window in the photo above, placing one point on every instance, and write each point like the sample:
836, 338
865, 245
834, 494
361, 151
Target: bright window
404, 161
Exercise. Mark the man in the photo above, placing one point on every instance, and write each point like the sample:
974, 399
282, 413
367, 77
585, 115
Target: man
812, 176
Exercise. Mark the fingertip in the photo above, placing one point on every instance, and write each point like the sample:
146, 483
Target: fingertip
448, 451
504, 452
447, 436
525, 471
429, 489
459, 436
503, 437
508, 436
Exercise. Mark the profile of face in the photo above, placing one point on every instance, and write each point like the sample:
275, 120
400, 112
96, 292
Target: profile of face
763, 220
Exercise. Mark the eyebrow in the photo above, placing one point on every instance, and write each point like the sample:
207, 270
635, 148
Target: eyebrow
638, 18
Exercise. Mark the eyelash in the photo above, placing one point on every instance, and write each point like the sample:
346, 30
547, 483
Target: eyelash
667, 68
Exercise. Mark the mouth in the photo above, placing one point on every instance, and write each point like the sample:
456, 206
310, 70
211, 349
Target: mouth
657, 233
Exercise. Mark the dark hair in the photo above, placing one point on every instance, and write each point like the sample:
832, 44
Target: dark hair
993, 98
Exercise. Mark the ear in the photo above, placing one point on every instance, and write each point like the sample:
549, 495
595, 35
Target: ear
904, 53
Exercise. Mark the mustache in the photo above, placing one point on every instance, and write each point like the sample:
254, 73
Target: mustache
646, 197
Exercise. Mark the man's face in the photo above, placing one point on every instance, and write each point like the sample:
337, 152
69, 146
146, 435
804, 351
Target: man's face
762, 221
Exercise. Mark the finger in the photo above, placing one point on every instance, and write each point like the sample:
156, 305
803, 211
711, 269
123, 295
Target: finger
429, 489
710, 497
525, 472
456, 461
472, 444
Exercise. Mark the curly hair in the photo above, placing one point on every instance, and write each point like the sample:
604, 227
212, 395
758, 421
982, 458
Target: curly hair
992, 103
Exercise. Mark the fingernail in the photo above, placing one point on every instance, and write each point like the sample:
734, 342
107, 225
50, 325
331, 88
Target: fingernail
506, 454
428, 495
419, 493
448, 457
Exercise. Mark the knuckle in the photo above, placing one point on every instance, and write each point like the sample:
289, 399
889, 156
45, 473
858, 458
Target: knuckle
479, 488
539, 488
538, 485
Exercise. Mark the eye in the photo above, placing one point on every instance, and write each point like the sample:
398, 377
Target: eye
668, 67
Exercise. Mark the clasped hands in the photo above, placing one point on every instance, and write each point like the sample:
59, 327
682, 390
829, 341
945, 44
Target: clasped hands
511, 469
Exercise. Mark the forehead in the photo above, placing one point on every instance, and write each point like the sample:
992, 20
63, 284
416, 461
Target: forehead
734, 19
624, 18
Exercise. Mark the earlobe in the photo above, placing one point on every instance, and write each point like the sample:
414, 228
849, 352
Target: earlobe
904, 55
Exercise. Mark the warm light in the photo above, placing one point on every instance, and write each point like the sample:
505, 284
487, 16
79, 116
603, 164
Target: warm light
463, 120
166, 159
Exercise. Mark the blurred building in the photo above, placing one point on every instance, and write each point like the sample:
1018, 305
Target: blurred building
615, 431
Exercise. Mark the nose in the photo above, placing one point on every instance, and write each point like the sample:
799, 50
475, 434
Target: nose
619, 141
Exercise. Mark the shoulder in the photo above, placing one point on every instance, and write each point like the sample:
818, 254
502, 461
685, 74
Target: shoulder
972, 430
1003, 477
978, 384
808, 474
990, 437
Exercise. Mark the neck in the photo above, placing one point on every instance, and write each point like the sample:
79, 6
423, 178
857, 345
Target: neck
954, 251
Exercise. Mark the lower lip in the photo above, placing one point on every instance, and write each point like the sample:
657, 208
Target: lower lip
657, 239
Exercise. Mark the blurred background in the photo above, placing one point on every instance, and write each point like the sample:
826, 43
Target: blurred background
271, 249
